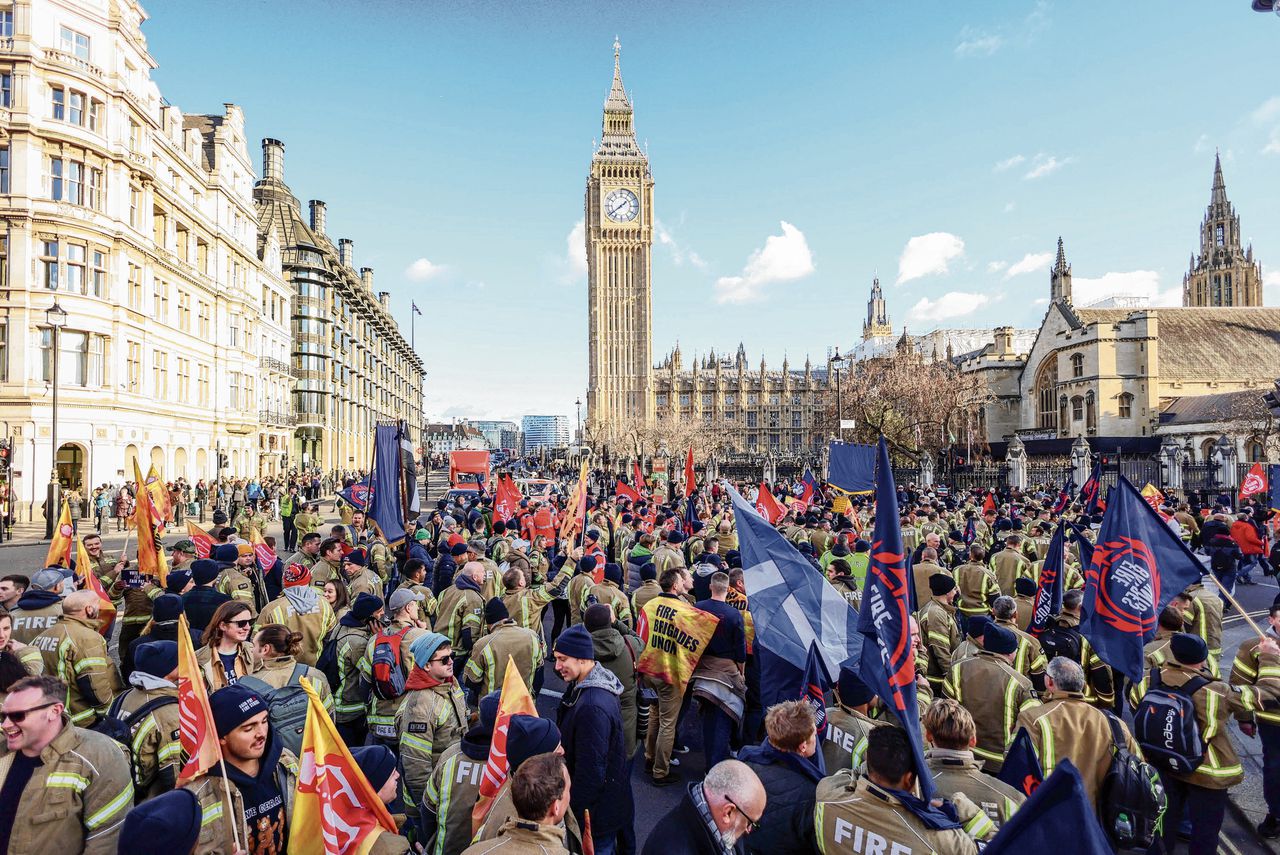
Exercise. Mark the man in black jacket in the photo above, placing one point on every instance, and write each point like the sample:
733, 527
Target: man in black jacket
714, 816
785, 763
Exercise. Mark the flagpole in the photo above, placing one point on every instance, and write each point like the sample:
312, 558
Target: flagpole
1244, 614
231, 805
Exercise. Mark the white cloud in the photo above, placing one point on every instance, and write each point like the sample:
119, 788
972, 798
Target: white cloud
953, 304
1040, 302
1273, 144
1134, 283
1045, 164
1202, 144
576, 249
1008, 207
679, 254
1030, 263
996, 266
783, 258
925, 255
1271, 287
1009, 163
975, 42
422, 270
1267, 112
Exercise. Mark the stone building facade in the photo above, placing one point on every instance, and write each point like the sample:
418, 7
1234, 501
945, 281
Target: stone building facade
138, 222
1223, 273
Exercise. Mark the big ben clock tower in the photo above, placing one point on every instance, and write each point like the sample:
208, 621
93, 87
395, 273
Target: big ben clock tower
619, 235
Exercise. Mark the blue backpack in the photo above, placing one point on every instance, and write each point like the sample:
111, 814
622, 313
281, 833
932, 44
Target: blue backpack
1165, 725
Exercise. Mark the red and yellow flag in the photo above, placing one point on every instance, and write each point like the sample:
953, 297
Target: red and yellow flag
89, 582
149, 526
262, 552
1153, 496
576, 511
514, 700
739, 601
195, 720
160, 497
201, 538
59, 554
336, 811
675, 634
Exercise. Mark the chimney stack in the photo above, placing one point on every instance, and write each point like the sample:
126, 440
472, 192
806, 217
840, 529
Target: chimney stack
1004, 341
317, 216
346, 251
384, 297
366, 276
272, 160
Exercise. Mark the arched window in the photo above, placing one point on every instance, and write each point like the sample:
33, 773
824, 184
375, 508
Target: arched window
1077, 408
1045, 394
1077, 365
1126, 405
1090, 411
1206, 450
1254, 450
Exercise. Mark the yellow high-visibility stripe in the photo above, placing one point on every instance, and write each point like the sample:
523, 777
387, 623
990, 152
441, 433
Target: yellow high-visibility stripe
113, 807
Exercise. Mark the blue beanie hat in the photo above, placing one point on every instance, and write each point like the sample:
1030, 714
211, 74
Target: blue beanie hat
613, 572
157, 658
232, 706
852, 690
587, 564
977, 625
177, 580
648, 572
365, 607
204, 570
458, 550
356, 557
425, 646
997, 639
166, 607
224, 553
576, 642
170, 822
527, 736
1188, 649
488, 712
377, 762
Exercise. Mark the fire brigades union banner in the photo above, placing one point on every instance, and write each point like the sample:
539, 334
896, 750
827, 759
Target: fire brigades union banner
675, 634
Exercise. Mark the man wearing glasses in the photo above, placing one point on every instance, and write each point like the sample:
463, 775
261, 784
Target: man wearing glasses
431, 717
39, 810
714, 816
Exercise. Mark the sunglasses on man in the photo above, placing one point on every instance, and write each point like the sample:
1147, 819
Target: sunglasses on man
19, 716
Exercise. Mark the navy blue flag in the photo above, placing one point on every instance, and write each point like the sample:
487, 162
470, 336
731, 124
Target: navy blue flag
1021, 769
888, 662
1083, 544
1091, 492
384, 480
1273, 481
814, 690
1138, 566
1049, 591
357, 495
793, 606
690, 512
1064, 496
1057, 818
970, 531
852, 467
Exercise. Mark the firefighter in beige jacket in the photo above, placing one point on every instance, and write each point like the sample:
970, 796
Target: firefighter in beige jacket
79, 787
540, 806
76, 654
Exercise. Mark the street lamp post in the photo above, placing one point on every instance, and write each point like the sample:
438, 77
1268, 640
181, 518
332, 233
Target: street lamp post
56, 317
577, 410
839, 397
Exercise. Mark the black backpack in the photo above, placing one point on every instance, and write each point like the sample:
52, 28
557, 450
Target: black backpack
328, 663
1131, 800
1058, 640
1165, 724
121, 729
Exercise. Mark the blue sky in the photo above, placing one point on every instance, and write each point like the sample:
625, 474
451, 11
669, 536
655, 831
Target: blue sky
797, 152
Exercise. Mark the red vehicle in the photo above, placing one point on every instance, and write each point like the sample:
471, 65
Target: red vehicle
469, 470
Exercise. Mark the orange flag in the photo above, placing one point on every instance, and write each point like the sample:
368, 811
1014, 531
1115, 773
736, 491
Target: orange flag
767, 506
690, 479
160, 497
195, 719
265, 555
336, 811
514, 700
506, 499
89, 582
59, 554
201, 538
149, 526
576, 510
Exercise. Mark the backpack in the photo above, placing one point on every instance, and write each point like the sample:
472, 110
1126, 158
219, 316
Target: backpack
1165, 724
121, 729
1131, 800
1059, 640
329, 662
286, 706
1222, 561
388, 676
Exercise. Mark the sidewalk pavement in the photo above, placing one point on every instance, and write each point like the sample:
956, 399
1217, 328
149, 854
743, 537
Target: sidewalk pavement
1246, 797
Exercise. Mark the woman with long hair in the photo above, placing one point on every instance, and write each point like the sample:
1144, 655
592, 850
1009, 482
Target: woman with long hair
227, 655
278, 646
336, 593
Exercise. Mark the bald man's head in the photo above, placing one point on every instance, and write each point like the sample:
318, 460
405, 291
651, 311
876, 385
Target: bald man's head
475, 570
77, 601
735, 798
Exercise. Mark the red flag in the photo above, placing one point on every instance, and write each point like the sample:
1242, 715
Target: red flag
195, 720
201, 538
767, 506
689, 478
625, 491
514, 700
506, 499
1254, 483
265, 555
989, 503
641, 484
89, 581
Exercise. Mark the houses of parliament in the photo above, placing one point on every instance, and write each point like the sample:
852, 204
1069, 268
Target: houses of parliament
758, 408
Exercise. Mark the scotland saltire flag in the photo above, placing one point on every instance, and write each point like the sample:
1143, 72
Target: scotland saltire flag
1064, 497
793, 606
1049, 591
814, 690
970, 531
1021, 769
888, 661
1138, 566
1058, 818
1091, 492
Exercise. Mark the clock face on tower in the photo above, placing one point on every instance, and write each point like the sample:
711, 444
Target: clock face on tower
621, 205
